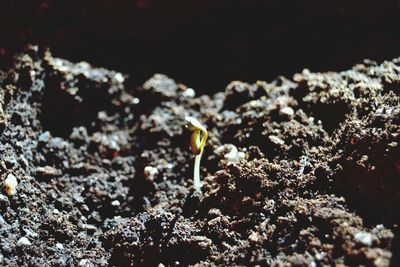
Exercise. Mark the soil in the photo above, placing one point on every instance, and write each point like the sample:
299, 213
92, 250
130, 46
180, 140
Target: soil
300, 171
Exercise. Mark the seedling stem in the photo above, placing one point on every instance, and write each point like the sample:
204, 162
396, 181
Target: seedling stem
197, 143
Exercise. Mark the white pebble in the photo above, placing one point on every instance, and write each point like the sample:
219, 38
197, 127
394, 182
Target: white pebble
189, 93
115, 203
288, 111
150, 172
234, 155
119, 78
56, 211
59, 246
230, 153
135, 100
10, 185
363, 238
23, 241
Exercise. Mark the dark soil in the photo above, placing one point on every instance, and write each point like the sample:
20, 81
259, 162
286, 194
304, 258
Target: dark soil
316, 181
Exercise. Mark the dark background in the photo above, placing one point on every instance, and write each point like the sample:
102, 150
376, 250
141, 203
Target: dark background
206, 43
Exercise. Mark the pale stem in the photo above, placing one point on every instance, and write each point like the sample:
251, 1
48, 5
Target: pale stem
196, 176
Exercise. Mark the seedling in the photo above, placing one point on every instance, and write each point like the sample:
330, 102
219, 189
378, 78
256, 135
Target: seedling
197, 143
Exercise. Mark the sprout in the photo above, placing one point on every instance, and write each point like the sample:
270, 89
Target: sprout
197, 143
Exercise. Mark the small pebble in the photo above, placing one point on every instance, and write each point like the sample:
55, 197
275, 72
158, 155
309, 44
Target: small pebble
253, 237
233, 155
276, 140
56, 211
150, 172
230, 153
23, 241
189, 93
363, 238
288, 111
135, 100
119, 78
10, 185
113, 145
59, 246
320, 256
115, 203
44, 137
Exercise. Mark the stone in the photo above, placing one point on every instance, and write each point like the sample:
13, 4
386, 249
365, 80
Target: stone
363, 238
150, 172
288, 111
23, 241
10, 185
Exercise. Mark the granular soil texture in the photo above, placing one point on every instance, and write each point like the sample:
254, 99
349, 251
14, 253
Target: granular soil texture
296, 172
